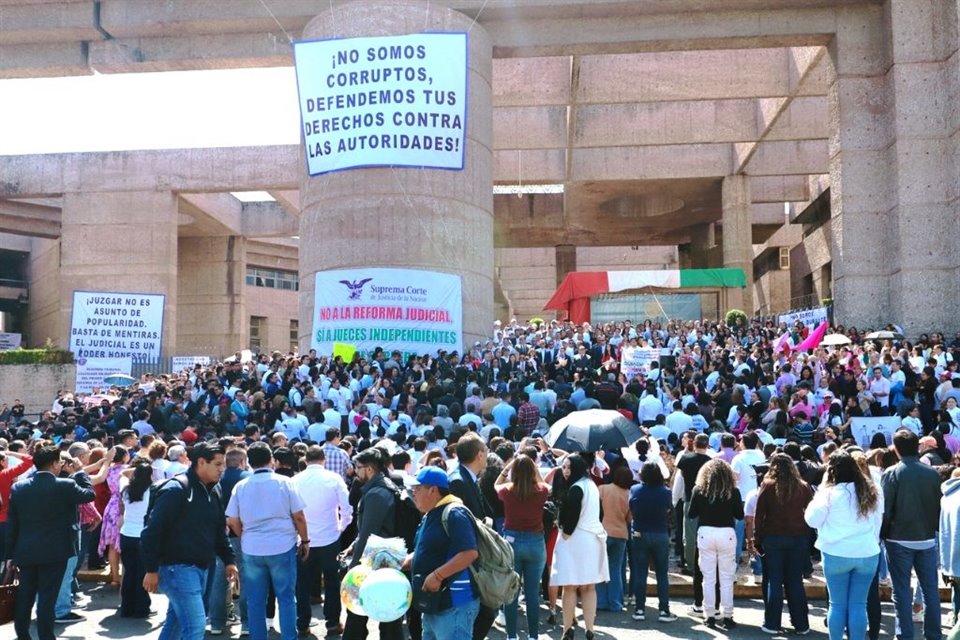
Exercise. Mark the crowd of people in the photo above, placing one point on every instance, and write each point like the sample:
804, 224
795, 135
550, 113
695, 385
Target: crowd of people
243, 490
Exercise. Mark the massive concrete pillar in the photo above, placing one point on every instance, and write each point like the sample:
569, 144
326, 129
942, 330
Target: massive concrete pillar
211, 311
738, 236
925, 243
419, 218
893, 149
566, 260
863, 189
119, 242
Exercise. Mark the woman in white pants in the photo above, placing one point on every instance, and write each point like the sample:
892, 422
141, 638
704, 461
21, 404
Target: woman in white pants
716, 503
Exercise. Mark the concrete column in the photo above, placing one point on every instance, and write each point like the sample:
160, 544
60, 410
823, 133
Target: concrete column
124, 242
702, 240
924, 247
211, 310
419, 218
566, 261
738, 236
863, 189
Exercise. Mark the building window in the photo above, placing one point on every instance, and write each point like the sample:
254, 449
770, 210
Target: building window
273, 278
258, 325
294, 335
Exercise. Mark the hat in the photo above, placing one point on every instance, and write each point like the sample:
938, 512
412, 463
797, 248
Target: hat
432, 477
189, 436
828, 394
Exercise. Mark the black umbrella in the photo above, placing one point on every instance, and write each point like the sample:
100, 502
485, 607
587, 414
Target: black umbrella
593, 430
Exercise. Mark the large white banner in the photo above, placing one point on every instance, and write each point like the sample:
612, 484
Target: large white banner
388, 101
412, 311
10, 341
636, 361
92, 371
116, 325
809, 317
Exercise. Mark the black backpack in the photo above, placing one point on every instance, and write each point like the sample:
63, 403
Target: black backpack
406, 517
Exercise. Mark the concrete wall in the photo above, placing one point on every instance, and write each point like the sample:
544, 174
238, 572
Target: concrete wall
36, 385
279, 308
808, 260
43, 275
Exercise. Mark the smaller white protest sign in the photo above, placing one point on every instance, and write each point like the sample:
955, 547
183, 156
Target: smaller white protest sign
117, 325
179, 363
864, 428
10, 341
809, 317
636, 361
92, 371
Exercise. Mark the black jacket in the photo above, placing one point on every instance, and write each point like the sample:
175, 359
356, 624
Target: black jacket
185, 526
376, 512
911, 501
465, 487
42, 521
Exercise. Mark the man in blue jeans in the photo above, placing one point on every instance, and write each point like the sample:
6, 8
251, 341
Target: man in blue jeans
236, 461
266, 511
184, 532
911, 516
442, 558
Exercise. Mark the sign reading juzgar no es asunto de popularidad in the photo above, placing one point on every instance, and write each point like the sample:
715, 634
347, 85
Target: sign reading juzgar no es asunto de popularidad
390, 101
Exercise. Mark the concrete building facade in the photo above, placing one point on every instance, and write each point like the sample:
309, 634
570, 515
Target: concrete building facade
812, 143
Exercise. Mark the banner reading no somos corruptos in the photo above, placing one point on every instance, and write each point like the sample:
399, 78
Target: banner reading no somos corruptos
386, 101
407, 310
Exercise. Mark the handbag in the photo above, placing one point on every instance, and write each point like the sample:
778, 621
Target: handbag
8, 595
430, 601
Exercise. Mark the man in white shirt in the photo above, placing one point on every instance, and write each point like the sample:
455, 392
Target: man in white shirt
743, 470
880, 388
266, 511
292, 425
342, 399
650, 407
331, 417
328, 512
678, 421
178, 461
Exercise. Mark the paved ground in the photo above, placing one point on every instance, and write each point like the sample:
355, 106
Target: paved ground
102, 622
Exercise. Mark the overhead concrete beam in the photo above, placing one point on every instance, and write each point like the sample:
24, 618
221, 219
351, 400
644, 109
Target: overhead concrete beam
38, 60
290, 200
49, 22
24, 219
14, 242
801, 157
520, 82
767, 213
545, 166
683, 75
805, 118
653, 162
190, 170
212, 51
663, 123
778, 189
221, 207
268, 220
530, 127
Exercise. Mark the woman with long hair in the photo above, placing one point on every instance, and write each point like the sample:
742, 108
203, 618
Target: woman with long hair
580, 557
716, 503
847, 512
134, 600
615, 505
110, 531
784, 538
524, 494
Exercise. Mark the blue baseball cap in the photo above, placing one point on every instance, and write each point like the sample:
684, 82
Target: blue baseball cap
432, 477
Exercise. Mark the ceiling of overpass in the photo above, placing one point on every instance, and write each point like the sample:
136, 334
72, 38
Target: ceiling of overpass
599, 96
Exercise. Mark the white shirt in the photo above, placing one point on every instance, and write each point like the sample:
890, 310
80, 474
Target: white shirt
327, 504
133, 512
331, 418
341, 398
650, 407
743, 464
841, 531
265, 503
678, 422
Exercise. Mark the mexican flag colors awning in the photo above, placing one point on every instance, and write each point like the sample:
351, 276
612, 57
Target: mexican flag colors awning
574, 293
